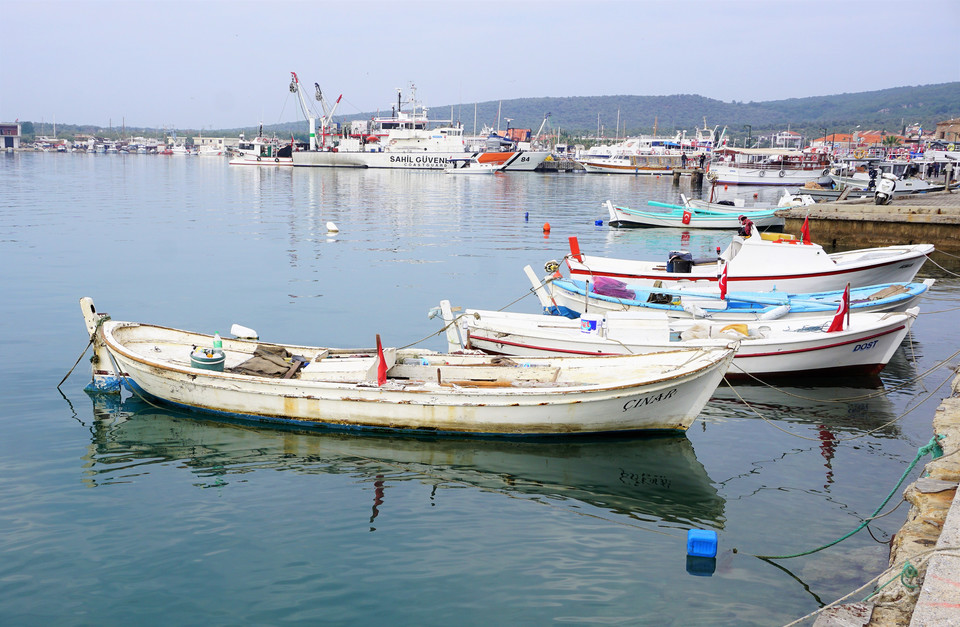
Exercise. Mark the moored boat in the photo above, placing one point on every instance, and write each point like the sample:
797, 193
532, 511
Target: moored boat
757, 264
690, 301
767, 166
262, 151
690, 218
652, 164
404, 390
471, 165
794, 348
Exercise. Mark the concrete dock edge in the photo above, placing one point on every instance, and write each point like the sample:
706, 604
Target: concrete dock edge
932, 528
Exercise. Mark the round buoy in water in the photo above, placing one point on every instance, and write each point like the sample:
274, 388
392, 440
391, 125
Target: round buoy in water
332, 228
546, 227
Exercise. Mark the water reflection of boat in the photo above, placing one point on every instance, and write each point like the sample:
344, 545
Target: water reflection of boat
650, 478
863, 406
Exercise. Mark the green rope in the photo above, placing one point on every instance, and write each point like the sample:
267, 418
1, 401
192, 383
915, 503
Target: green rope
907, 572
932, 447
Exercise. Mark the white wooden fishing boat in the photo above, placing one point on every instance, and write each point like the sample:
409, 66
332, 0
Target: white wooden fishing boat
767, 348
407, 390
690, 218
757, 264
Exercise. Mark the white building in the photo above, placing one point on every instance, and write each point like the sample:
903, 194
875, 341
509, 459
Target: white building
10, 136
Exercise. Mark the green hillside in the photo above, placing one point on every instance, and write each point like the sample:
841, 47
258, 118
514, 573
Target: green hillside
886, 109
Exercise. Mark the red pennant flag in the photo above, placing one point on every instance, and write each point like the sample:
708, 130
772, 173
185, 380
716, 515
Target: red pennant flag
843, 311
381, 364
723, 283
805, 231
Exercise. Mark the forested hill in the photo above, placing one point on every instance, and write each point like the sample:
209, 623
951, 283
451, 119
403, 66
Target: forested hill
886, 109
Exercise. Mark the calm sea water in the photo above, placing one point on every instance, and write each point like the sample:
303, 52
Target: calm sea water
116, 512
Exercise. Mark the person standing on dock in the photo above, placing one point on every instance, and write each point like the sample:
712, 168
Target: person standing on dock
703, 158
683, 160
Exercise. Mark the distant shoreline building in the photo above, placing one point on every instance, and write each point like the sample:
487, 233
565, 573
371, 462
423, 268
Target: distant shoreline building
10, 136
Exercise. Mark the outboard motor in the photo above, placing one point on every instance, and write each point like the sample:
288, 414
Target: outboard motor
885, 187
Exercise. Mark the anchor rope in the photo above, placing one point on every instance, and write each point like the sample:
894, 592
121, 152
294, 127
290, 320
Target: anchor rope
855, 437
100, 322
862, 397
932, 447
456, 319
922, 557
941, 267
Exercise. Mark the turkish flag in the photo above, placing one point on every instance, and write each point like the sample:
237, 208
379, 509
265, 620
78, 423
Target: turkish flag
843, 311
723, 283
805, 231
381, 364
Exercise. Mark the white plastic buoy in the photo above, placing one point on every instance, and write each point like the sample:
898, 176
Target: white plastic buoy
332, 228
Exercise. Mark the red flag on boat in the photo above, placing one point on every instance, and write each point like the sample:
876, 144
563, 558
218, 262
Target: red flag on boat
723, 283
381, 364
843, 311
805, 231
686, 216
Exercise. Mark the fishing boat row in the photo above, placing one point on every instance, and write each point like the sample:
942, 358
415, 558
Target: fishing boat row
604, 356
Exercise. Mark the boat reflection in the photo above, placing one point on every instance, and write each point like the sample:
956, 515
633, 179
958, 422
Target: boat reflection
651, 479
861, 405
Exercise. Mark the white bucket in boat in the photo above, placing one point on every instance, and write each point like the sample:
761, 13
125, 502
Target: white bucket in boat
590, 323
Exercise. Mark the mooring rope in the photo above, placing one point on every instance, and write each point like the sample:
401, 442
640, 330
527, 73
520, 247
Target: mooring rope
922, 557
932, 447
100, 322
941, 267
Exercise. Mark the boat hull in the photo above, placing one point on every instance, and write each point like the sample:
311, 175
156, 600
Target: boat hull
727, 175
426, 160
632, 218
519, 161
569, 296
815, 271
864, 348
610, 395
263, 161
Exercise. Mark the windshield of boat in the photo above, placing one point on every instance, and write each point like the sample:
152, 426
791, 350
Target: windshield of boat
732, 249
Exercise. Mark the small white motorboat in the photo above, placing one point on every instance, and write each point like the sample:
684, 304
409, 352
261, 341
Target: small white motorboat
409, 390
795, 347
471, 165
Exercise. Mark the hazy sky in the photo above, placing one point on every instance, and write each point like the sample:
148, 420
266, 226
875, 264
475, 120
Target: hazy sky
223, 64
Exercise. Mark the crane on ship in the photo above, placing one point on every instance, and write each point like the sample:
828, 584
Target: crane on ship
325, 120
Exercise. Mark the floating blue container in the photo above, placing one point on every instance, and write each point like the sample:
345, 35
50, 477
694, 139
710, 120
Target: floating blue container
702, 543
